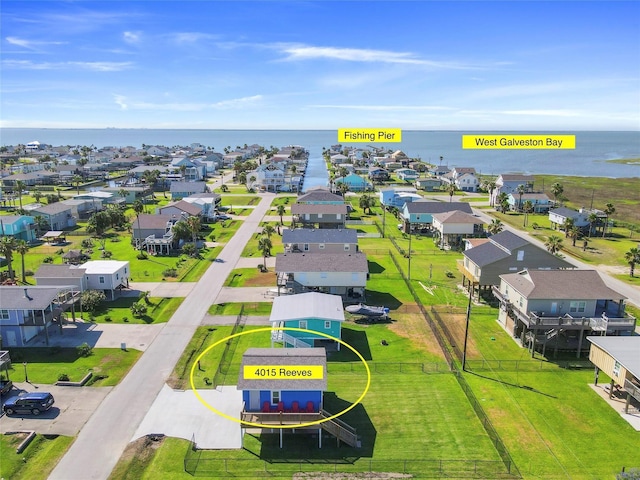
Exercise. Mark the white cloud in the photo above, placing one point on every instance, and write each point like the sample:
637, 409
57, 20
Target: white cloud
231, 104
121, 100
30, 44
91, 66
192, 37
385, 107
307, 52
131, 37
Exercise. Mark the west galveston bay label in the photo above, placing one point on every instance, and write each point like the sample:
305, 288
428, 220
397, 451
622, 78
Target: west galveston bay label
518, 141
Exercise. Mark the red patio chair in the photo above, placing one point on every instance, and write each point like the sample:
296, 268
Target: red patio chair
266, 407
280, 407
310, 408
295, 407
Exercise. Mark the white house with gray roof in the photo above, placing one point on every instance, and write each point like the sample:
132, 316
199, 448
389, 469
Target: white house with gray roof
342, 274
559, 308
57, 215
324, 240
107, 275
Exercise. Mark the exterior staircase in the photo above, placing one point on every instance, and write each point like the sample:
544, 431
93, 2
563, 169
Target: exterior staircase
339, 429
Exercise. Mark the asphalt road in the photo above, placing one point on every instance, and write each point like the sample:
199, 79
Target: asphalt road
104, 437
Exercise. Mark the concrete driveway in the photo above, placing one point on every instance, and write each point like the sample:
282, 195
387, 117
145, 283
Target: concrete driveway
180, 414
72, 408
100, 335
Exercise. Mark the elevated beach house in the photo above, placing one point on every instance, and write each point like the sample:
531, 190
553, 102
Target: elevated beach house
420, 214
559, 308
319, 215
27, 311
317, 312
107, 275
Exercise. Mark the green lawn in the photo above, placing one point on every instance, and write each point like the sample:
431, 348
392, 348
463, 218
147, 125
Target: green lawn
250, 277
160, 310
36, 461
45, 364
252, 309
251, 248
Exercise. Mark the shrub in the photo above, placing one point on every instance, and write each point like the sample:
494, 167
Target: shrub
28, 273
60, 251
107, 318
84, 350
91, 299
170, 272
142, 255
48, 259
87, 243
138, 309
63, 377
106, 254
125, 319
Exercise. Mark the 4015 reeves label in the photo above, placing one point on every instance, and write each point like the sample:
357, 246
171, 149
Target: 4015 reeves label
283, 372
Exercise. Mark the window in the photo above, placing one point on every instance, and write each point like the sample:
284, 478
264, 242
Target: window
346, 247
275, 397
117, 276
321, 246
319, 215
101, 280
306, 247
4, 314
616, 368
302, 324
577, 307
521, 302
327, 324
520, 255
339, 216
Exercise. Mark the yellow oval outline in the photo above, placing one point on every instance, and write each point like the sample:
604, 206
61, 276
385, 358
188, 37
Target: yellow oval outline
262, 425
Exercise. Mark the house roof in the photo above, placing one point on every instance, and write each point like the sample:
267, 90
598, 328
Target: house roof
437, 207
94, 267
499, 246
456, 216
561, 285
36, 298
623, 349
508, 240
148, 221
320, 195
59, 271
475, 242
10, 219
53, 208
321, 262
307, 305
565, 212
315, 208
322, 235
186, 207
292, 357
196, 187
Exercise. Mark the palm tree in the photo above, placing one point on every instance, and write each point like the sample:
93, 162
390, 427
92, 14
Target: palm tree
573, 233
20, 187
265, 245
7, 247
556, 190
569, 223
193, 224
366, 202
37, 194
281, 211
76, 180
610, 210
451, 190
490, 186
553, 244
22, 247
496, 226
268, 230
632, 257
138, 207
593, 219
527, 208
521, 191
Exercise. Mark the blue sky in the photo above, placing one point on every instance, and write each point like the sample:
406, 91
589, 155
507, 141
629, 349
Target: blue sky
277, 65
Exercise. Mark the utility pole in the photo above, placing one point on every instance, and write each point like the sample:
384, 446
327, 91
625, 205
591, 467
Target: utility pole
466, 329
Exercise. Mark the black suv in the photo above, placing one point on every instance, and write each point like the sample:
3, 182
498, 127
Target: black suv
35, 403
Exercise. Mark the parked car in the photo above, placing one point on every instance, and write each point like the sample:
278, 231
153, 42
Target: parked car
34, 403
223, 216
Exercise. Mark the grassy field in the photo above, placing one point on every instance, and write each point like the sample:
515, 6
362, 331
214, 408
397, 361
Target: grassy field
36, 461
252, 309
250, 277
160, 310
45, 364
